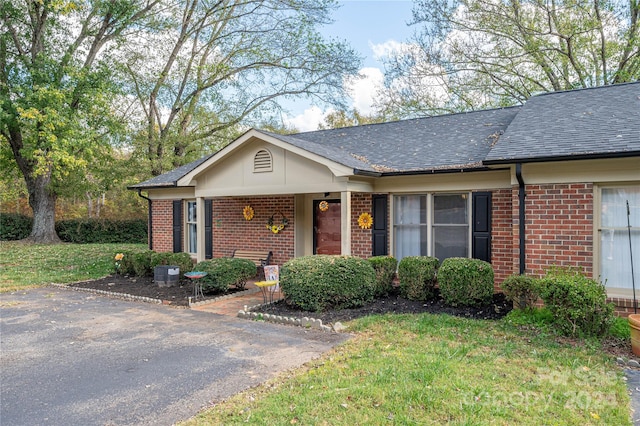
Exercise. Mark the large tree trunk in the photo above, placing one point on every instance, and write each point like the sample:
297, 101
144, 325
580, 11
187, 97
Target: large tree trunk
43, 204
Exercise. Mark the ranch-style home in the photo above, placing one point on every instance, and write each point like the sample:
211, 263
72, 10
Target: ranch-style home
525, 188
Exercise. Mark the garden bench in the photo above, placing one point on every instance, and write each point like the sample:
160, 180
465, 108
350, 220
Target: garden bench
259, 258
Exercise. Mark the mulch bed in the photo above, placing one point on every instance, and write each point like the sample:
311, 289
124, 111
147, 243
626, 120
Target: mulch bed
177, 295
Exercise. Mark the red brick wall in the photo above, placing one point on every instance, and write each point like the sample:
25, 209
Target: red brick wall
231, 231
361, 239
502, 249
559, 226
162, 221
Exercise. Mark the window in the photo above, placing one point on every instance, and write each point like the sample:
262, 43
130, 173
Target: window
616, 237
262, 162
191, 234
431, 225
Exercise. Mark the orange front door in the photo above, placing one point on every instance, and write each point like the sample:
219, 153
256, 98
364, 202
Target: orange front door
327, 226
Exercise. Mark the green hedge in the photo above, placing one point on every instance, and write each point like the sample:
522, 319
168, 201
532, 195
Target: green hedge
86, 231
417, 276
14, 226
578, 304
224, 272
385, 268
522, 290
466, 282
318, 283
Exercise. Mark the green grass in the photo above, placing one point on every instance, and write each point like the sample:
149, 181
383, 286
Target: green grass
25, 265
436, 369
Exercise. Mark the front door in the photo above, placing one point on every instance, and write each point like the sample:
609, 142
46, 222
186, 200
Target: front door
326, 226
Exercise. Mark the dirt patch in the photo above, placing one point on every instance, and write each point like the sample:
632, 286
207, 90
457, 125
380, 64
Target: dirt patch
177, 295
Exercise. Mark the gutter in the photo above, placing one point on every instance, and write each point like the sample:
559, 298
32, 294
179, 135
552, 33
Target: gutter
521, 217
150, 218
549, 159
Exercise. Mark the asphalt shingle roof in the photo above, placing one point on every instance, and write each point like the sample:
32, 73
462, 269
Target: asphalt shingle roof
443, 142
170, 178
591, 122
596, 122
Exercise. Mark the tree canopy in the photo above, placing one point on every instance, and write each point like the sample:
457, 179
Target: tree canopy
161, 79
474, 54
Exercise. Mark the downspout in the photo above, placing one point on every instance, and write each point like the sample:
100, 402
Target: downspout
521, 217
150, 220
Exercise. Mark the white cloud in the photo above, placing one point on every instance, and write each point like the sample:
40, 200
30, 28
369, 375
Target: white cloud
308, 120
386, 49
363, 90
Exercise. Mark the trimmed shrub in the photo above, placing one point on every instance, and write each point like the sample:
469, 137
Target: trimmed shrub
87, 231
578, 304
321, 282
417, 276
181, 260
14, 226
466, 282
522, 290
385, 268
224, 272
141, 263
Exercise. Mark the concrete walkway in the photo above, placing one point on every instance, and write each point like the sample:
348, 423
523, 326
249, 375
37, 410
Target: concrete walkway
231, 305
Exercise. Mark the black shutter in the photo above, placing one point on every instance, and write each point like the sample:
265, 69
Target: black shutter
177, 226
379, 232
481, 231
208, 229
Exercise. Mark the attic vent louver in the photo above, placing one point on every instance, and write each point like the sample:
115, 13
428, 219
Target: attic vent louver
262, 162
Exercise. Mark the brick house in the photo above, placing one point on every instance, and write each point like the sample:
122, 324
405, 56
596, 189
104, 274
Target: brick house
523, 187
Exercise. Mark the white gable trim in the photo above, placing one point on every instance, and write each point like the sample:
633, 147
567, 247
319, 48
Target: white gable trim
190, 179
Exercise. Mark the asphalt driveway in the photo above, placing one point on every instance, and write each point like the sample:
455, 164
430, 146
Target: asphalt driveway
73, 358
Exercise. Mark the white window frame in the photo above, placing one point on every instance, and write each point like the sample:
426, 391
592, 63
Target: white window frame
187, 227
430, 220
598, 245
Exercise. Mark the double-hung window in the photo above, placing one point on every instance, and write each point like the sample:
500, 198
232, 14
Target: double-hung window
431, 225
191, 231
619, 238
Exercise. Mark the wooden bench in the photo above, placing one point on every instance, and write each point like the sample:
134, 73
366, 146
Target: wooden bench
260, 258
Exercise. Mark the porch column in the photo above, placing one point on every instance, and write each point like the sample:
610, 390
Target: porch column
345, 219
200, 227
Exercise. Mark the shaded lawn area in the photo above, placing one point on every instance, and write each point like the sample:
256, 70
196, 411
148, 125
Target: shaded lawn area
439, 369
24, 264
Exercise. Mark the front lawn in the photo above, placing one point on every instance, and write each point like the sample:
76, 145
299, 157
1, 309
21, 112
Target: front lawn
438, 369
23, 265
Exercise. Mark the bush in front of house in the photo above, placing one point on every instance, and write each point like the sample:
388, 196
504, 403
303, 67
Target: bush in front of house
140, 263
181, 260
522, 290
14, 226
578, 304
93, 231
385, 268
417, 276
465, 282
224, 272
322, 282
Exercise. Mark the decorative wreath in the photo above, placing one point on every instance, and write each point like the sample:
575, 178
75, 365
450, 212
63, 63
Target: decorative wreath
248, 212
323, 206
277, 227
365, 221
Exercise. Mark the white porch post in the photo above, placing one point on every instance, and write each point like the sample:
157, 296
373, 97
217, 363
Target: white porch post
200, 229
345, 203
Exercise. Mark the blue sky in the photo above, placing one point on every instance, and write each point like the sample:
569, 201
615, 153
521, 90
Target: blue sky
365, 25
